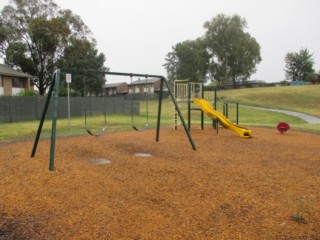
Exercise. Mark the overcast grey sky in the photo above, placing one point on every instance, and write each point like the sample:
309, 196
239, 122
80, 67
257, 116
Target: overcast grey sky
136, 35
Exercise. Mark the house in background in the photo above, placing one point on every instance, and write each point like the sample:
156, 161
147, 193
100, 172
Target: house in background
12, 81
150, 85
316, 79
113, 89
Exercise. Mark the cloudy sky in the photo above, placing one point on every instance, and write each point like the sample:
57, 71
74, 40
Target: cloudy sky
136, 35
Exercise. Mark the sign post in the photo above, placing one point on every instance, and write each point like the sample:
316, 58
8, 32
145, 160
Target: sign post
68, 80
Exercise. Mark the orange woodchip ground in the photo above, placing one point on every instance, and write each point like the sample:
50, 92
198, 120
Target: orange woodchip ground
266, 187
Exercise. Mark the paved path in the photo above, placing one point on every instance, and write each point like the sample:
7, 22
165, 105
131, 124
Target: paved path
308, 118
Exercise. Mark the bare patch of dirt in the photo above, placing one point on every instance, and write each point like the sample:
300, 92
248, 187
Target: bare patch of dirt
230, 188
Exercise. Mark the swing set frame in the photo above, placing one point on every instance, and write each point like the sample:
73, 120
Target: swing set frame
54, 91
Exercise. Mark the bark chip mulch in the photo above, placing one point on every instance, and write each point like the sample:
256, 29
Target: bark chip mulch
266, 187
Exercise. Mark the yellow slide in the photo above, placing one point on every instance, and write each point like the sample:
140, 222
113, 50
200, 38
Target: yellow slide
206, 107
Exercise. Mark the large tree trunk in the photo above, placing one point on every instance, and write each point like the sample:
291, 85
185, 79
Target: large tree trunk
42, 89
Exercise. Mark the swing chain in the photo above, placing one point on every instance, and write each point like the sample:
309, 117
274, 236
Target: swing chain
146, 99
85, 115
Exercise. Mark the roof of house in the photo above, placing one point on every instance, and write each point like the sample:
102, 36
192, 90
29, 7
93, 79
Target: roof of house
144, 81
124, 91
8, 71
113, 85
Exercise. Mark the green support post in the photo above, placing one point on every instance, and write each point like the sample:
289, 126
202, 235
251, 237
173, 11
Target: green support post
237, 112
159, 109
43, 117
189, 106
54, 120
202, 113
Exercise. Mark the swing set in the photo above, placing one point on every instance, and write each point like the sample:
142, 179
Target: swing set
102, 131
54, 91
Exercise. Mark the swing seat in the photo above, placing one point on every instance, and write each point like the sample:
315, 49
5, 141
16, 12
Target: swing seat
141, 130
98, 134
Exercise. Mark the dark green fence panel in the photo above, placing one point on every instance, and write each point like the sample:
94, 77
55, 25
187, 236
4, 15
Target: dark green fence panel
16, 108
23, 108
5, 109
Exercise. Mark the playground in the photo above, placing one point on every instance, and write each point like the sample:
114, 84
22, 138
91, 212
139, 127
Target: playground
205, 181
125, 185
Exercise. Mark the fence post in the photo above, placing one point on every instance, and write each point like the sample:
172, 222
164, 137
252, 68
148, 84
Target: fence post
237, 107
54, 120
90, 106
36, 107
227, 110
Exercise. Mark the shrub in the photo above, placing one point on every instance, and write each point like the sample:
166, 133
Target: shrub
26, 93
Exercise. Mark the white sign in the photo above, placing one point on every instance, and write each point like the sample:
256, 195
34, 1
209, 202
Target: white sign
68, 77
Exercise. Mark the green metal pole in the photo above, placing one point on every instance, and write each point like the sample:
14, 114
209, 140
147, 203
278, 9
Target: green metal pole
189, 105
43, 117
214, 122
227, 109
105, 110
237, 109
215, 99
159, 109
175, 111
202, 114
54, 120
180, 115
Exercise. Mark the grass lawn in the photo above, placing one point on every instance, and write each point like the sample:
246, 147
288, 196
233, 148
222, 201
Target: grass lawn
304, 99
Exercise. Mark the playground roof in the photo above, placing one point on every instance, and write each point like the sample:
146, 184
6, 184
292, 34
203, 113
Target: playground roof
112, 85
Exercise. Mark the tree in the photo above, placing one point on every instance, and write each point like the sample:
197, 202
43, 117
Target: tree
188, 60
34, 36
299, 66
234, 53
81, 54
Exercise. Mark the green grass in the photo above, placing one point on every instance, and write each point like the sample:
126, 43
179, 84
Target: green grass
116, 122
305, 99
300, 98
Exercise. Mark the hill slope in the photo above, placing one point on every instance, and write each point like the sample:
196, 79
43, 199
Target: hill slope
305, 99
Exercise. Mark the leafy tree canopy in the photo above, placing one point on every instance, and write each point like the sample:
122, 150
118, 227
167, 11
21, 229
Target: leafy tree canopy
35, 36
234, 53
188, 60
226, 53
80, 54
299, 65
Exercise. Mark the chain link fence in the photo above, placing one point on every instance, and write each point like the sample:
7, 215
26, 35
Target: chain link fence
16, 108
